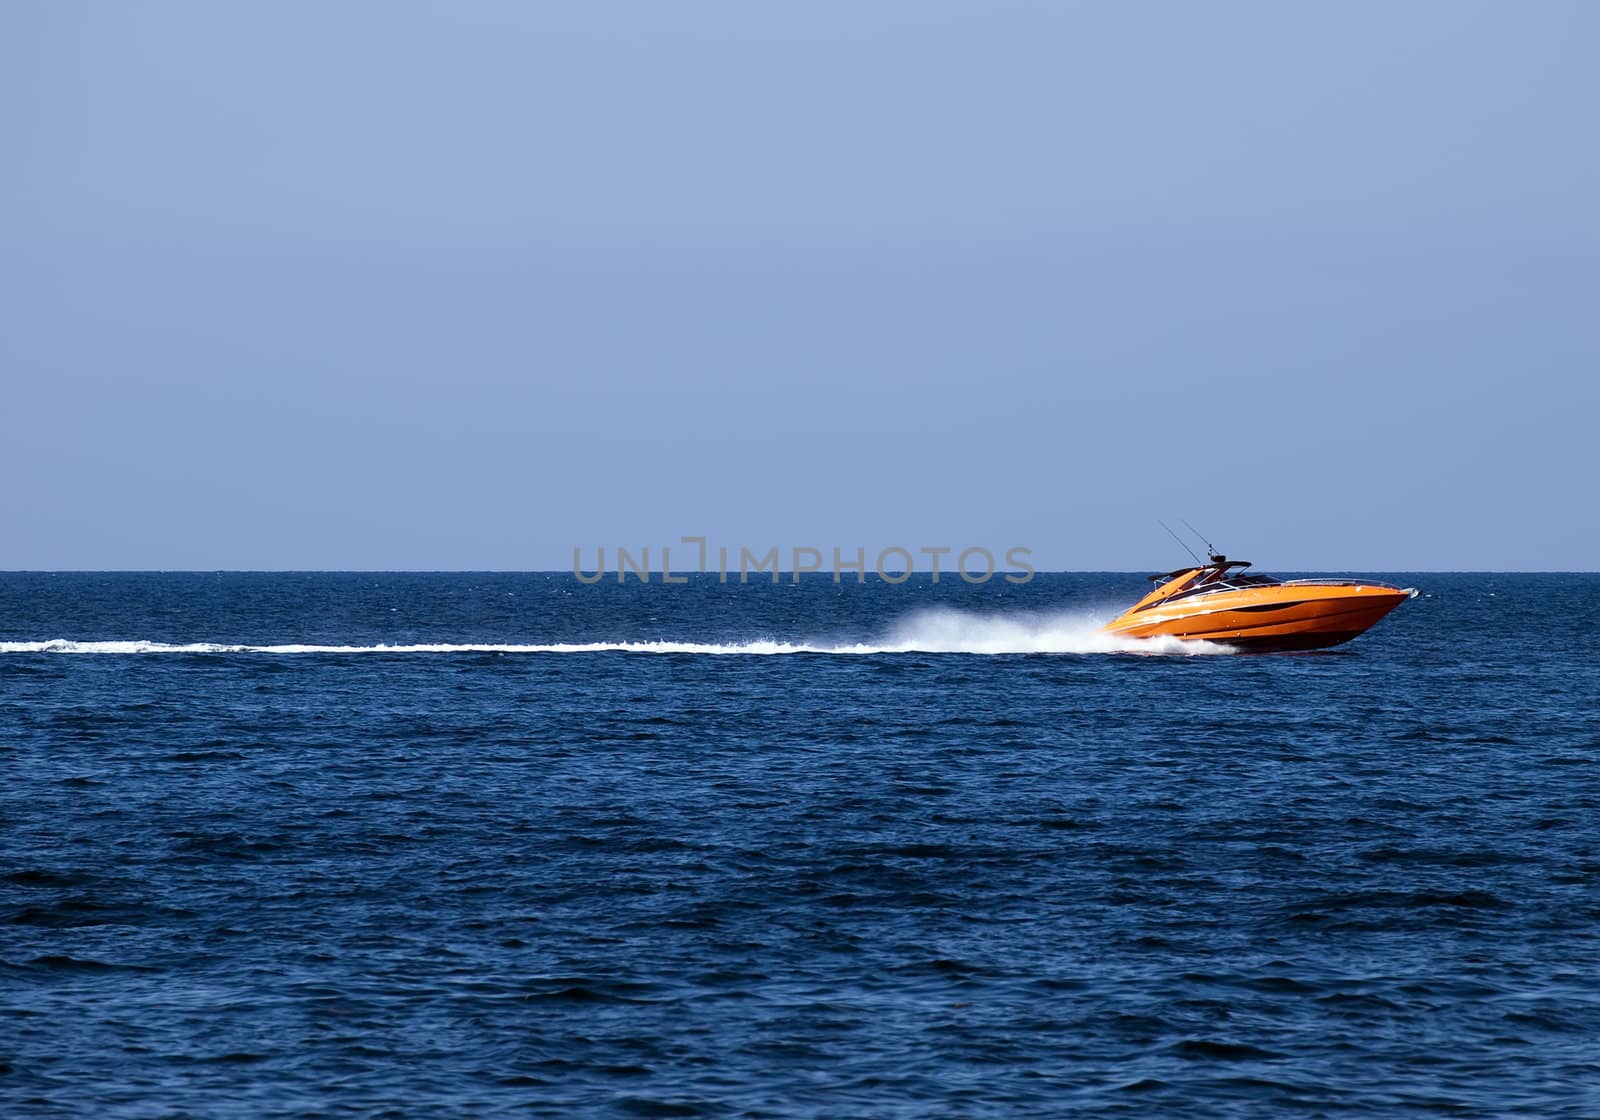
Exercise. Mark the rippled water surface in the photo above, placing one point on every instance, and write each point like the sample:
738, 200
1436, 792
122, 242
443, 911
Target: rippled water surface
896, 851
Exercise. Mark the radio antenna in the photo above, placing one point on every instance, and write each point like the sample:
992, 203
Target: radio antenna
1179, 539
1211, 549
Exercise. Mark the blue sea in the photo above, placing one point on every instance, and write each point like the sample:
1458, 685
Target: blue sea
471, 844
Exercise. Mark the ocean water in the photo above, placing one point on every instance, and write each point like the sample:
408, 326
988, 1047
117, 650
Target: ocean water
814, 851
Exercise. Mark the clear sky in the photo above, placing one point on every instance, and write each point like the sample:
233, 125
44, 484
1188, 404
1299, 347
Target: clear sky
391, 285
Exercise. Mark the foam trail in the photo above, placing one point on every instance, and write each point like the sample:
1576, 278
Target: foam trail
943, 630
931, 631
61, 645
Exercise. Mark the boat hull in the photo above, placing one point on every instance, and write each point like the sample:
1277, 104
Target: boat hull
1283, 617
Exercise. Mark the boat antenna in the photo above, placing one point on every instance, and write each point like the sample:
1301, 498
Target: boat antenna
1179, 539
1211, 549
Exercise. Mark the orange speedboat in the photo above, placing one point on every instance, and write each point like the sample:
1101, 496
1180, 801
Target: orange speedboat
1218, 602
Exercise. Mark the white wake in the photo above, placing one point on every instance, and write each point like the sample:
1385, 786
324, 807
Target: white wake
931, 631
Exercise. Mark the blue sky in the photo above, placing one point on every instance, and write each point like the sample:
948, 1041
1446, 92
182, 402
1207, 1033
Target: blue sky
463, 286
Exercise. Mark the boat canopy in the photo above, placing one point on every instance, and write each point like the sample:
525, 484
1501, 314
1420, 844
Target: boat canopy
1219, 564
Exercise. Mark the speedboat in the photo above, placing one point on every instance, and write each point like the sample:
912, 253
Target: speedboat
1219, 602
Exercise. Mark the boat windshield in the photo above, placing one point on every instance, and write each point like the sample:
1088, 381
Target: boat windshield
1255, 579
1213, 579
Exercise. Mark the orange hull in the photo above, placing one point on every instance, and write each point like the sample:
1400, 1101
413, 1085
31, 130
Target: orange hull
1257, 613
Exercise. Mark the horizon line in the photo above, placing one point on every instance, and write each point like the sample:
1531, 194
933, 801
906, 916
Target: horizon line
785, 572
